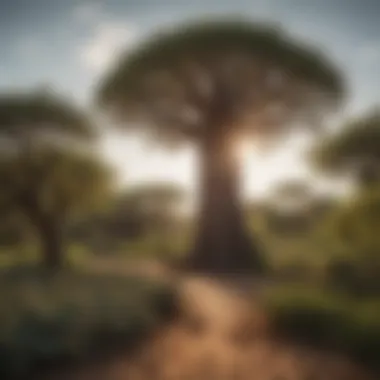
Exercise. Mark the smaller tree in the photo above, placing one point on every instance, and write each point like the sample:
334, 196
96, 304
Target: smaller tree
50, 188
353, 151
43, 175
356, 223
352, 233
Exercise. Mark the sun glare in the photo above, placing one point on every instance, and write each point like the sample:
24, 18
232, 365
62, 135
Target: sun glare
246, 148
136, 162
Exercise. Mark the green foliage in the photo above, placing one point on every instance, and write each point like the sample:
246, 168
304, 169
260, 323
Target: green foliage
354, 150
143, 220
327, 320
27, 254
334, 243
358, 276
25, 114
42, 168
173, 246
59, 181
293, 249
44, 177
356, 223
351, 235
72, 316
48, 190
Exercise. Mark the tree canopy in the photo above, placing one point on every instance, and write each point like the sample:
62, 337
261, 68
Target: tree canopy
43, 177
41, 111
55, 181
220, 73
354, 150
355, 224
38, 167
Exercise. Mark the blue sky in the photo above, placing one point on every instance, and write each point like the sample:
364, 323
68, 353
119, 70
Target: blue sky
70, 43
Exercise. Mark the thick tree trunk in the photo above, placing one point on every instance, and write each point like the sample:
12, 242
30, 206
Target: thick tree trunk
223, 245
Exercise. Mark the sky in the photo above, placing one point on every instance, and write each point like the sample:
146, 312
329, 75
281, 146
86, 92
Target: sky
69, 44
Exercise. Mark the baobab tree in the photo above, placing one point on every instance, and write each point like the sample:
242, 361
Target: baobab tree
214, 84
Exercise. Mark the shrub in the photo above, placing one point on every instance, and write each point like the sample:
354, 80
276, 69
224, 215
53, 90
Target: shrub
71, 317
358, 277
328, 321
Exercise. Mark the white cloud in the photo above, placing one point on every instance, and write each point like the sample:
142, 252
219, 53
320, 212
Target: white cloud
108, 42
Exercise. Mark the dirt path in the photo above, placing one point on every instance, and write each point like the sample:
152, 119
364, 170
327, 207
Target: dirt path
220, 336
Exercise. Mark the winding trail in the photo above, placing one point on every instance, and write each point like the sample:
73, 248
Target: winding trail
220, 335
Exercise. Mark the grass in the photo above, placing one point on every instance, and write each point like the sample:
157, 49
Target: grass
28, 255
328, 320
73, 317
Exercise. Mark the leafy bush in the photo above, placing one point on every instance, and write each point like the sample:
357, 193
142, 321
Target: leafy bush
358, 277
351, 237
328, 321
71, 317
